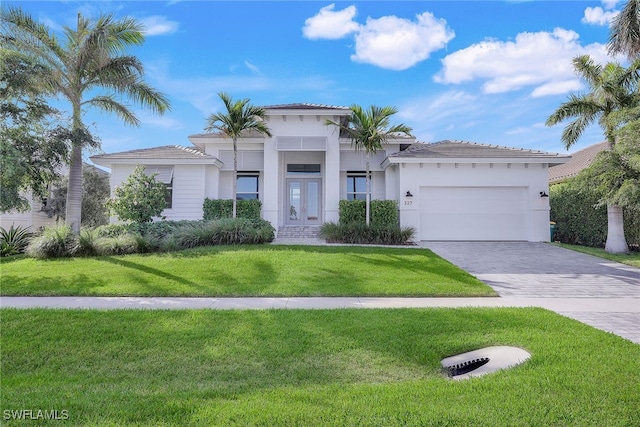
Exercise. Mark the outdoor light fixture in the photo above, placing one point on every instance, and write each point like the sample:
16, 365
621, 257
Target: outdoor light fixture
408, 194
543, 194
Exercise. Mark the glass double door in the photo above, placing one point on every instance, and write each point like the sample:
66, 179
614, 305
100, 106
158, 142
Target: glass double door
303, 201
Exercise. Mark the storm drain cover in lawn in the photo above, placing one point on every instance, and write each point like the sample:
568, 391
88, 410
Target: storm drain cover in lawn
483, 361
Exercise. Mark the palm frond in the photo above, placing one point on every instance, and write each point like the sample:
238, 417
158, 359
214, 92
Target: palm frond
624, 35
109, 104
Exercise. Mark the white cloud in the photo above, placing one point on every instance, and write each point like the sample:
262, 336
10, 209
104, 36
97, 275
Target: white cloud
387, 42
542, 60
253, 68
158, 25
329, 24
397, 44
598, 16
610, 4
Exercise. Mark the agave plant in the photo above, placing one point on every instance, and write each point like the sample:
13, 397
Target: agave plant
14, 240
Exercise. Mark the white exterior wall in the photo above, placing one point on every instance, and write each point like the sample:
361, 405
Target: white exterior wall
33, 218
189, 188
188, 192
532, 177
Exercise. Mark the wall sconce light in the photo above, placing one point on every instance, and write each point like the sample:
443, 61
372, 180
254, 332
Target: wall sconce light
408, 194
543, 194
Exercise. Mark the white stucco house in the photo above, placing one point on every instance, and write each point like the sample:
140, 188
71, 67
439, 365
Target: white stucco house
449, 190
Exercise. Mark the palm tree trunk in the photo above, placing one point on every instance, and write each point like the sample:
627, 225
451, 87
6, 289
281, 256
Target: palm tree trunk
74, 191
235, 175
367, 203
616, 242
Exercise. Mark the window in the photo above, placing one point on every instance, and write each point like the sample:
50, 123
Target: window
303, 169
163, 174
356, 185
247, 186
169, 194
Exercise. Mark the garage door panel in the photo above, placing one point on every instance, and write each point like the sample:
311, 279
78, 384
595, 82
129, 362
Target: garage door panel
473, 213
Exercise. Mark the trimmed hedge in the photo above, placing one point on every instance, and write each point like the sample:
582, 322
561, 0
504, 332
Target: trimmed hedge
579, 222
383, 212
223, 208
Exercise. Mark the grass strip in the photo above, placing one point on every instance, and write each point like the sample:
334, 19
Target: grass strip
632, 259
266, 270
312, 367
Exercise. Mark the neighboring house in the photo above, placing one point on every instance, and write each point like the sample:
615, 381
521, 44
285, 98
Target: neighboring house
36, 218
450, 190
33, 218
579, 160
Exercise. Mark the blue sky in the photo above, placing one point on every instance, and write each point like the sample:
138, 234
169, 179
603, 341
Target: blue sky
481, 71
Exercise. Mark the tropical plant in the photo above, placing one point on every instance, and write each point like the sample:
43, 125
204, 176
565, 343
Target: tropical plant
612, 89
240, 119
624, 34
92, 58
368, 130
54, 242
139, 198
14, 240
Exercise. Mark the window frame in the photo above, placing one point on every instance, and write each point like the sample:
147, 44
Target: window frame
353, 176
249, 174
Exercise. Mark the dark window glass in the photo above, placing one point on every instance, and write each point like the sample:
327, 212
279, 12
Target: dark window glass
247, 187
303, 169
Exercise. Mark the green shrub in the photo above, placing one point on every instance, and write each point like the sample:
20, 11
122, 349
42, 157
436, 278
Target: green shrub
225, 231
579, 222
221, 208
123, 244
158, 229
54, 242
14, 240
86, 244
357, 233
139, 198
383, 212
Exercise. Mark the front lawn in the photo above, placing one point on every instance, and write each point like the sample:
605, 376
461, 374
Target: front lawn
246, 271
632, 259
312, 367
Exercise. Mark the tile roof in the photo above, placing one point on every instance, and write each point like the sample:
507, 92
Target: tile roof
305, 106
164, 152
462, 149
579, 160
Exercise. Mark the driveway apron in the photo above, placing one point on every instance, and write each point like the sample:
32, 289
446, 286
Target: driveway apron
601, 293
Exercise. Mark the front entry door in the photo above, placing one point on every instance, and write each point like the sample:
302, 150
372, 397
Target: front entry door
304, 201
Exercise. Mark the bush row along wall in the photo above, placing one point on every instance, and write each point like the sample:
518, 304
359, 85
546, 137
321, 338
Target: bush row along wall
579, 222
223, 208
383, 212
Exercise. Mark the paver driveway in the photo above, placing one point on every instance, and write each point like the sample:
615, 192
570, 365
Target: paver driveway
599, 292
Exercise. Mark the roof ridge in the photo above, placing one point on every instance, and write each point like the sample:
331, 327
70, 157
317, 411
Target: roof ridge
305, 104
482, 144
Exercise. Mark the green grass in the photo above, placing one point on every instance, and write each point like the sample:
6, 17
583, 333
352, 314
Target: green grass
246, 271
632, 259
312, 367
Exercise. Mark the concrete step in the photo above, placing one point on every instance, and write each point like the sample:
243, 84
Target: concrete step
298, 232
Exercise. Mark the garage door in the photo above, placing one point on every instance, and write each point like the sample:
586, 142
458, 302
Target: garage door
473, 213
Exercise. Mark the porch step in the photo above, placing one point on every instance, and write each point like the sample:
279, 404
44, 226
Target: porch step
298, 232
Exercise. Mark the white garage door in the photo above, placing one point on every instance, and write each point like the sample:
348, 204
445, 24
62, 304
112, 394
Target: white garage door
473, 213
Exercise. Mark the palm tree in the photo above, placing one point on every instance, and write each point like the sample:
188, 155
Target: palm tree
91, 58
624, 35
240, 119
612, 88
368, 130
